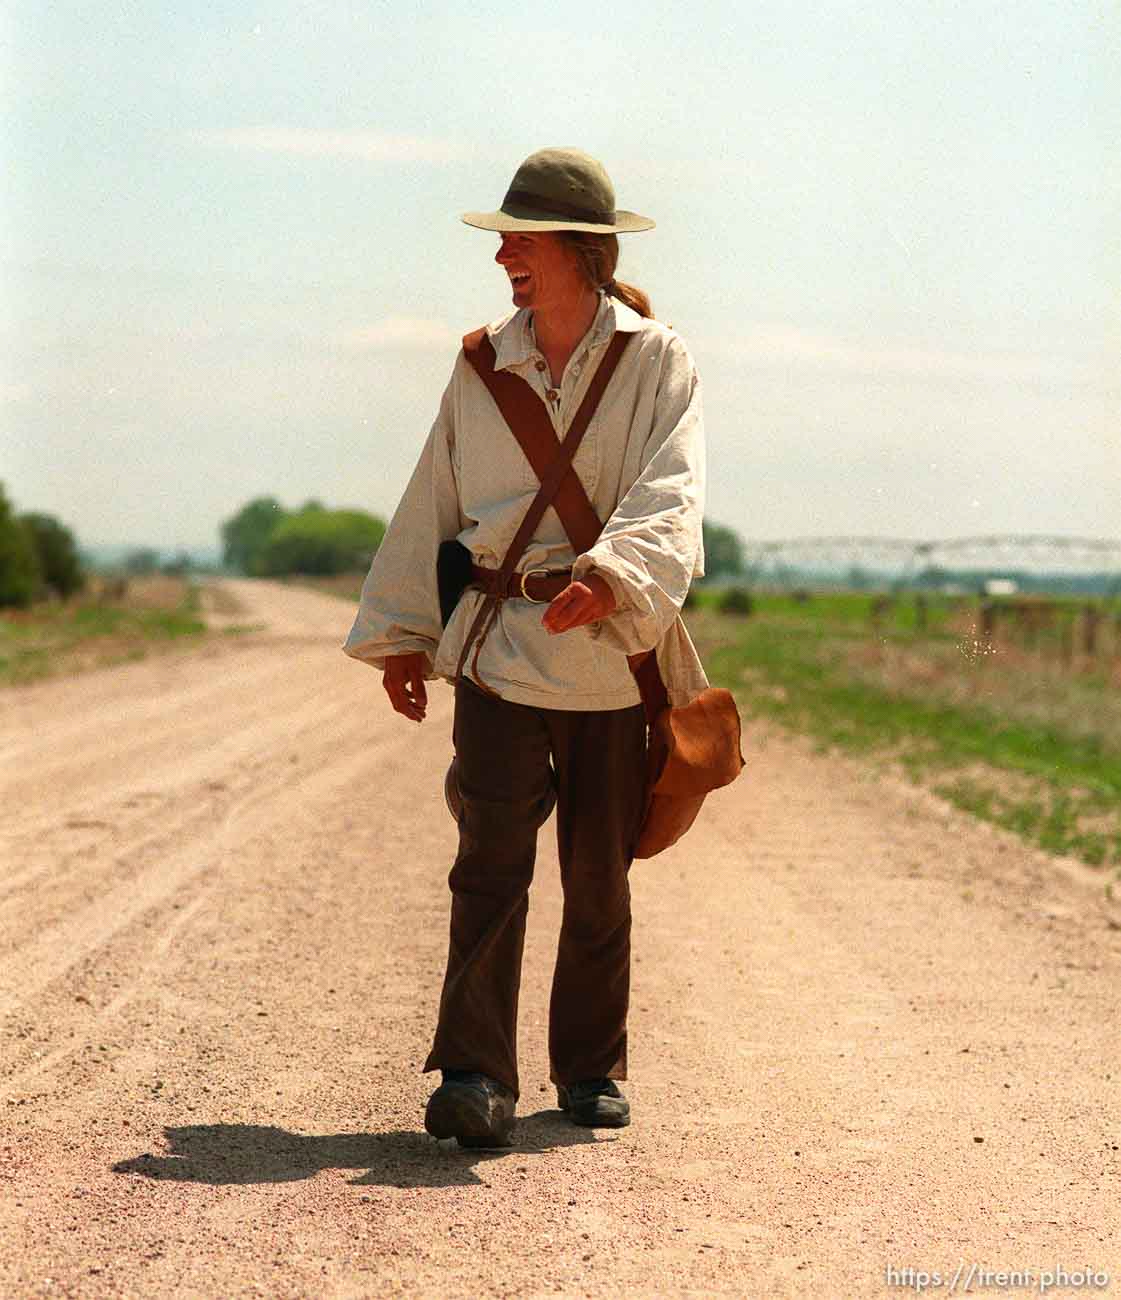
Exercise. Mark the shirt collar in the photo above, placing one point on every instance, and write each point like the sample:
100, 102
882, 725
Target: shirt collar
514, 342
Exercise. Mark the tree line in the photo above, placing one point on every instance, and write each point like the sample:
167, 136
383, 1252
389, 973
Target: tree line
723, 551
266, 540
38, 557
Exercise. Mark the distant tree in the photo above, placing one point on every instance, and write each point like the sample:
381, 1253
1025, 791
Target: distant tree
934, 575
144, 559
20, 575
322, 541
245, 536
723, 550
57, 552
179, 566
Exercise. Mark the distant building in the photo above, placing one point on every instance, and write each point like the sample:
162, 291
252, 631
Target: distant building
1000, 587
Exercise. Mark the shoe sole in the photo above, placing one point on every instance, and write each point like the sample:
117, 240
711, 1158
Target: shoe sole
461, 1113
598, 1121
593, 1121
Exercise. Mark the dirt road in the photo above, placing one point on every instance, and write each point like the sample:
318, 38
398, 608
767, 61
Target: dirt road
867, 1033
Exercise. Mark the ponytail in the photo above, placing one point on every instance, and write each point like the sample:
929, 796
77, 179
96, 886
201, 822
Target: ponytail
631, 296
598, 256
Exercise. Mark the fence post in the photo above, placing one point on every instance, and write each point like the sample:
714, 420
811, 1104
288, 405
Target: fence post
1091, 618
1066, 631
1025, 624
988, 623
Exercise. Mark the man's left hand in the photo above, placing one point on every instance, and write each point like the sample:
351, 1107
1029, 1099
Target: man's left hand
579, 603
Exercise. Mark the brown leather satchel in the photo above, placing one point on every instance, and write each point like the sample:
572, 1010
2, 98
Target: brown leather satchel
691, 749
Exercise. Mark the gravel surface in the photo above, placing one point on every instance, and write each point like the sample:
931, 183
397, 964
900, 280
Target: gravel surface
866, 1032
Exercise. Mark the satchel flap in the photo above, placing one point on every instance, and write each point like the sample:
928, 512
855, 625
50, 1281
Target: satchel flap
703, 743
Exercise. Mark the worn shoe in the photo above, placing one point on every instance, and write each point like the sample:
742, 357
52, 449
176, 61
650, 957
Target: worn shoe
472, 1108
597, 1103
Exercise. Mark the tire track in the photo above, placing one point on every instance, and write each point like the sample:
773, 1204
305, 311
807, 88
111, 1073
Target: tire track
136, 875
20, 1079
192, 767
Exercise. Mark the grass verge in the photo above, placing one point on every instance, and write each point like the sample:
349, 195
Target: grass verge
1029, 755
97, 630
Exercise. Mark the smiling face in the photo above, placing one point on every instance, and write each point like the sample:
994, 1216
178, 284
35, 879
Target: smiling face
544, 272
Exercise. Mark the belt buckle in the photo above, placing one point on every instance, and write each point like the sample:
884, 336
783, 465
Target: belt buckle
529, 573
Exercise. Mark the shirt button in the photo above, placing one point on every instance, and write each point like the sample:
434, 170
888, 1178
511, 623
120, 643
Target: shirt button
540, 365
552, 394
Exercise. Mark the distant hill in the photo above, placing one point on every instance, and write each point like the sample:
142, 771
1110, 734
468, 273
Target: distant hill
113, 557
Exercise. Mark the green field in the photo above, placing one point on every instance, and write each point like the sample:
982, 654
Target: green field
1022, 729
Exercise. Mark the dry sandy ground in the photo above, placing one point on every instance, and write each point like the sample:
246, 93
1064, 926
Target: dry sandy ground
866, 1032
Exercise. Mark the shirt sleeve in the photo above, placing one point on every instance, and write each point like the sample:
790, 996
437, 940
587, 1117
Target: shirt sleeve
399, 609
651, 547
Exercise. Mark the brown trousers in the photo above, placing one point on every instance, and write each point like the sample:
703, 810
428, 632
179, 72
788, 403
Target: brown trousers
503, 753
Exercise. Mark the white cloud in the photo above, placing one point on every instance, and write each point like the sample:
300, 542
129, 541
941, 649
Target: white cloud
373, 146
785, 344
14, 391
401, 332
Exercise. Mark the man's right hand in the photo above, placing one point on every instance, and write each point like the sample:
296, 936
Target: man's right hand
403, 679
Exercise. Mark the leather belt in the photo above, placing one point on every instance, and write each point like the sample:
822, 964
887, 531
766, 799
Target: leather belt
537, 585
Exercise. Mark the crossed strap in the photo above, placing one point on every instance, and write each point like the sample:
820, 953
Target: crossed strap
525, 413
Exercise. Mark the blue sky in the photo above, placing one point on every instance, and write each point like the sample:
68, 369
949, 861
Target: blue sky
890, 234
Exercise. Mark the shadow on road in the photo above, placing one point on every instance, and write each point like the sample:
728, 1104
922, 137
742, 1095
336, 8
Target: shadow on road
262, 1153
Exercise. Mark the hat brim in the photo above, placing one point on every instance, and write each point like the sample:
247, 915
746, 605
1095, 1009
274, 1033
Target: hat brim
625, 223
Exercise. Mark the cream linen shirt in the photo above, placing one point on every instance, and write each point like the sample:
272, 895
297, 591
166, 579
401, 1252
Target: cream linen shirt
641, 462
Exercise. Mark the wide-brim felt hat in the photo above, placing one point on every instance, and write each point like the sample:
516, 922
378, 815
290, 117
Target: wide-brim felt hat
560, 189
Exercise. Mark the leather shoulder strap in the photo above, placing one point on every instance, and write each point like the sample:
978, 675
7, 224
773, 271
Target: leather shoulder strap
529, 422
